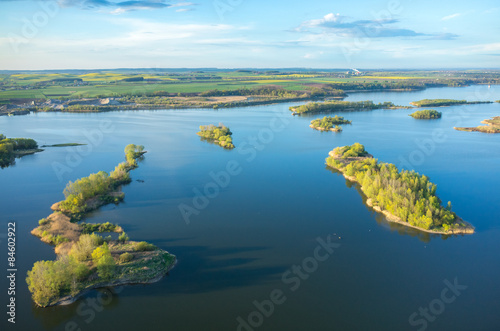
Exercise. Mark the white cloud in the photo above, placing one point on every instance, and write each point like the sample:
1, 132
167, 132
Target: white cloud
452, 16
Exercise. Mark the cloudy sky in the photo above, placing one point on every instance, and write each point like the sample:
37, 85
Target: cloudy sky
99, 34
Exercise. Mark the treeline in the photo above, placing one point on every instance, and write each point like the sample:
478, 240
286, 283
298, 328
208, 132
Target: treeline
218, 134
445, 102
405, 194
327, 123
79, 193
9, 147
426, 114
329, 106
400, 84
266, 91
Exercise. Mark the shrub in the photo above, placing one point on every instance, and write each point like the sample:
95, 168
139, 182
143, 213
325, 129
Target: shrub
43, 221
87, 243
126, 257
144, 246
123, 237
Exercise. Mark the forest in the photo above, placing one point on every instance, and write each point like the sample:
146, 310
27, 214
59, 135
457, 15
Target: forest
426, 114
9, 147
330, 106
327, 123
218, 134
405, 194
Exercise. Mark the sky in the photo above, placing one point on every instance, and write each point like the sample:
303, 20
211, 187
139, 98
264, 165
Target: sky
364, 34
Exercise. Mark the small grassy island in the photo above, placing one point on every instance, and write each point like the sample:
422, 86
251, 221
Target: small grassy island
444, 102
492, 126
65, 145
327, 123
10, 148
426, 114
217, 134
85, 259
404, 197
335, 105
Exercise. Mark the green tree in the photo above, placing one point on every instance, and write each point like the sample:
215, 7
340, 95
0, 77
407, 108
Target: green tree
101, 257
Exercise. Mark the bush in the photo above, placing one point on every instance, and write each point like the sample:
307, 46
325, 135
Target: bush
126, 257
87, 243
123, 237
43, 221
144, 246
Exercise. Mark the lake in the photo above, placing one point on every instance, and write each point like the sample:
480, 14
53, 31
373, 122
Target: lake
256, 227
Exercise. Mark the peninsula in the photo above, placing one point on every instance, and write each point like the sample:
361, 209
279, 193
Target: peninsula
444, 102
220, 135
86, 260
327, 123
336, 105
492, 126
10, 148
404, 197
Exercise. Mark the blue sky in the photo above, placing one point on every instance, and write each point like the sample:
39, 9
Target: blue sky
100, 34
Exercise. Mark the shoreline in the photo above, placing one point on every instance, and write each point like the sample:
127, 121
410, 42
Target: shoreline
67, 300
491, 126
147, 263
395, 219
139, 106
321, 129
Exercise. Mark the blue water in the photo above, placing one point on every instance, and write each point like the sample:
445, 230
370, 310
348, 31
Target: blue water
268, 217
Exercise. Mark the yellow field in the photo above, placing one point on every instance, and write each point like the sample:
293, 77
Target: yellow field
391, 77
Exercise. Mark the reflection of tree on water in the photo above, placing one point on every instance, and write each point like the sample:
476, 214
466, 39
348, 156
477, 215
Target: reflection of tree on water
79, 314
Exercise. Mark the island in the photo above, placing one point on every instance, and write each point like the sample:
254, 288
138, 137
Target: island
85, 259
65, 145
404, 197
426, 114
444, 102
327, 123
492, 126
220, 135
336, 105
11, 148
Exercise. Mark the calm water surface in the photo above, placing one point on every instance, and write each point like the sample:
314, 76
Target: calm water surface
269, 216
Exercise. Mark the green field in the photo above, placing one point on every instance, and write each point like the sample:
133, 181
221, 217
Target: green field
110, 83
